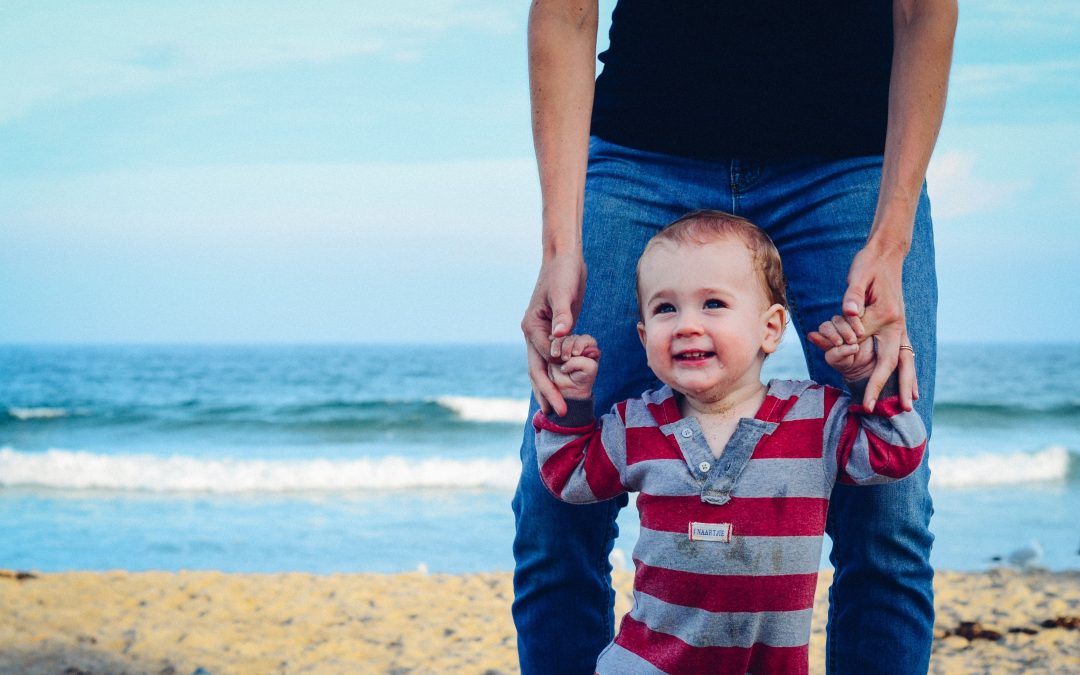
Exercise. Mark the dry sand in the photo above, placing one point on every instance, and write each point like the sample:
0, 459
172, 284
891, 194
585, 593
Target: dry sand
212, 623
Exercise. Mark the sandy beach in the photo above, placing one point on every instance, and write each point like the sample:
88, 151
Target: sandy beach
210, 623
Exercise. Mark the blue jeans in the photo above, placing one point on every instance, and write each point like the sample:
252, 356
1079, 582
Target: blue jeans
818, 212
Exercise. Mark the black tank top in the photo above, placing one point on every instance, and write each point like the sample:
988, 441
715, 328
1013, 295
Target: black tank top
750, 79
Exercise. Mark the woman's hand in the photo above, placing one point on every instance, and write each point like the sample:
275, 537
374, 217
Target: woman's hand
874, 304
552, 312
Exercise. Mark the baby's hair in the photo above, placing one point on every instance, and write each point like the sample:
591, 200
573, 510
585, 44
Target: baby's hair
706, 225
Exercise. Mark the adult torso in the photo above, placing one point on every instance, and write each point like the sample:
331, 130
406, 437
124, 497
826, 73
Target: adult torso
727, 79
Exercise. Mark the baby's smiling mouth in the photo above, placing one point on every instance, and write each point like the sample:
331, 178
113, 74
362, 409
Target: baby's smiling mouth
693, 356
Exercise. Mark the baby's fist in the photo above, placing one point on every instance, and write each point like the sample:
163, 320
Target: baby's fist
573, 365
844, 352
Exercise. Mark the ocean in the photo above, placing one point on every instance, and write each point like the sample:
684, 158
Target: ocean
368, 458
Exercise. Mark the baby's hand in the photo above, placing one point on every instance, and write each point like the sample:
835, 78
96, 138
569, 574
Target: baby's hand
853, 359
576, 359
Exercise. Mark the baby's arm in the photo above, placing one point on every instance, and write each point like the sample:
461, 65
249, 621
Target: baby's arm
873, 448
581, 458
880, 443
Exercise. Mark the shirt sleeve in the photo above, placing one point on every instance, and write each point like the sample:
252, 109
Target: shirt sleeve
870, 449
579, 455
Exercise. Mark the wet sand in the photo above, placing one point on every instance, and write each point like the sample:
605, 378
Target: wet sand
212, 623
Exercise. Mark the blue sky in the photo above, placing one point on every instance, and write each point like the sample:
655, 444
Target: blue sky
362, 171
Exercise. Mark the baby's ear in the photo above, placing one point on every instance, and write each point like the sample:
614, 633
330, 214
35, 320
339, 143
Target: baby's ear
641, 332
775, 319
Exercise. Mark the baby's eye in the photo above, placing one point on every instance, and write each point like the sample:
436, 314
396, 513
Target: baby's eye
664, 308
713, 303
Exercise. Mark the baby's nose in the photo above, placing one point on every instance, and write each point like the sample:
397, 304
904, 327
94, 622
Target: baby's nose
689, 324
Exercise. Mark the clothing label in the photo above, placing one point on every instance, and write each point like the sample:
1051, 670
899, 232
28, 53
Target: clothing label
710, 532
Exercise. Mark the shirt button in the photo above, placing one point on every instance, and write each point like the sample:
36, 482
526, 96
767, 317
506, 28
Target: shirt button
704, 466
687, 433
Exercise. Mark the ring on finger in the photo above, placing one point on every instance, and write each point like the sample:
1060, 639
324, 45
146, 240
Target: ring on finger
908, 348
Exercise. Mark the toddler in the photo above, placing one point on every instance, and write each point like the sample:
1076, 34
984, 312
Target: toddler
733, 476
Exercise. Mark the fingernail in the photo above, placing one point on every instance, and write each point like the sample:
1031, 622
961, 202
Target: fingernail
558, 327
873, 404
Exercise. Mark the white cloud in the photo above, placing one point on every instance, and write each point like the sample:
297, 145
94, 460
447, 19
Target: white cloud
1047, 18
984, 79
957, 190
485, 207
68, 52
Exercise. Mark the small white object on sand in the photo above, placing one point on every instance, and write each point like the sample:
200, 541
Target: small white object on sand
1025, 557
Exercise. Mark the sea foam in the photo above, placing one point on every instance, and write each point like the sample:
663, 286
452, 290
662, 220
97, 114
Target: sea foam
477, 409
1049, 464
37, 413
66, 469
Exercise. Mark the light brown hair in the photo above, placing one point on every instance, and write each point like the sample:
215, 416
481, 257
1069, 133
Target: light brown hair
706, 225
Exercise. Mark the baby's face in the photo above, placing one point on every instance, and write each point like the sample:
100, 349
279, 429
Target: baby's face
707, 322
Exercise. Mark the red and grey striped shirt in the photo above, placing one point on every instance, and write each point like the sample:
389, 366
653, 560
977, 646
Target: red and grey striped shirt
728, 556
